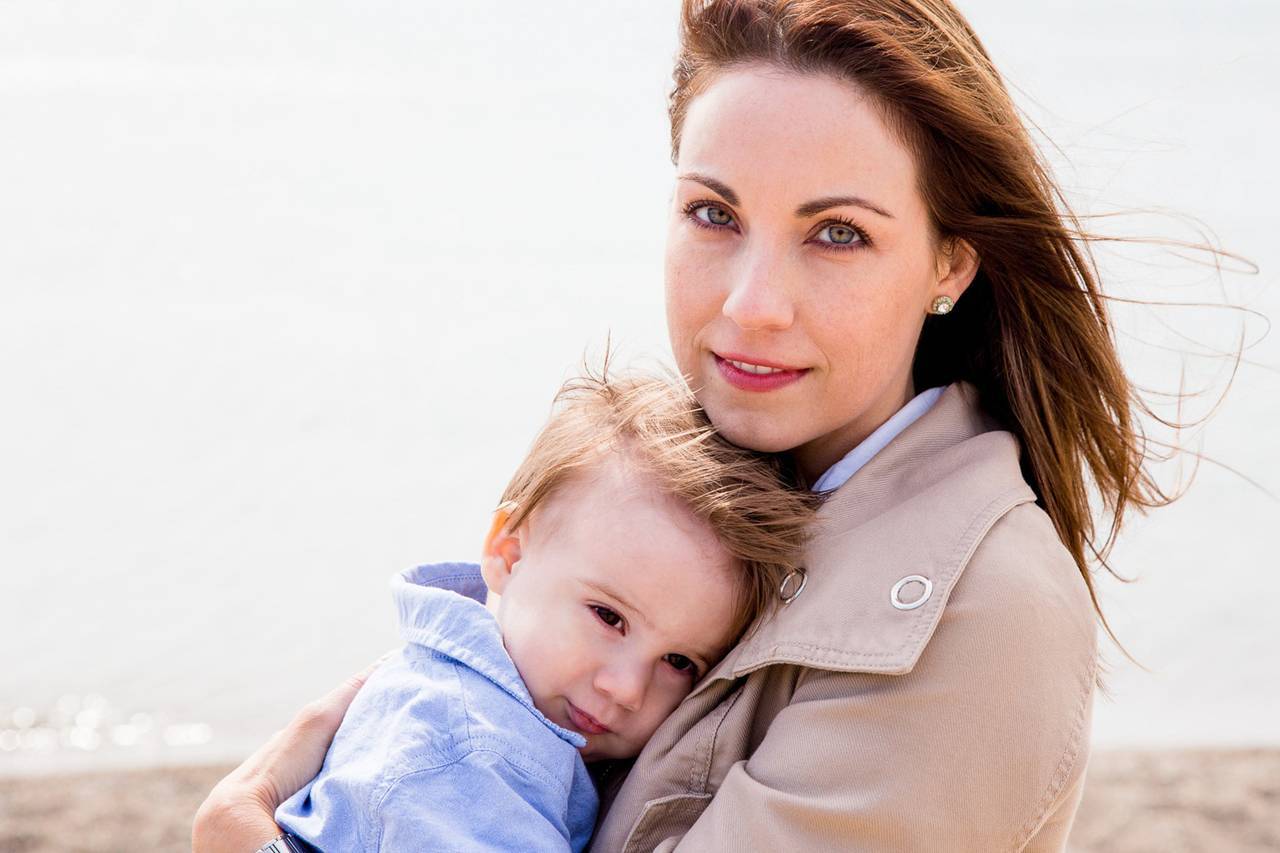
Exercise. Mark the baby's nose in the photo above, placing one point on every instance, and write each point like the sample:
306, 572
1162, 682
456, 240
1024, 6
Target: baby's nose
624, 682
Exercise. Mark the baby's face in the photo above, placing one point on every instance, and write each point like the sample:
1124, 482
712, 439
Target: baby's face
620, 600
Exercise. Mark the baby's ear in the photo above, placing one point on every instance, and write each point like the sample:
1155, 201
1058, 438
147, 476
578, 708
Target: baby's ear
501, 551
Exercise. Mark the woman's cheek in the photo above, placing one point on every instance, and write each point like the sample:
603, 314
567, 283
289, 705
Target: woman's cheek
677, 314
690, 302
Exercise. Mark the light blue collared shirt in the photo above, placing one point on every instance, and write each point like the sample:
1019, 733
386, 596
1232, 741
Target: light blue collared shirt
838, 474
443, 749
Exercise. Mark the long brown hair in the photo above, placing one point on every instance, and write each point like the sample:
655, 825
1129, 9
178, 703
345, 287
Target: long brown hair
1032, 331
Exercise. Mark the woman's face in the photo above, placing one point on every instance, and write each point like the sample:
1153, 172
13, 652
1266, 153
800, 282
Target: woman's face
800, 263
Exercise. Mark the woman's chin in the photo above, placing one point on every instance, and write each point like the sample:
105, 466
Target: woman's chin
756, 431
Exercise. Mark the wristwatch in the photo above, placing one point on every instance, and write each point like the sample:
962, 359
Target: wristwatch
282, 844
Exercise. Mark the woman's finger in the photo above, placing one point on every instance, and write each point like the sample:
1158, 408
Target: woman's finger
315, 725
294, 756
241, 806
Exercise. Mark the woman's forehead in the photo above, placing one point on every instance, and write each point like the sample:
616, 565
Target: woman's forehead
790, 137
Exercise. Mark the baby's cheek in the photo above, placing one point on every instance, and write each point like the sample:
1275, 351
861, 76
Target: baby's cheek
537, 659
557, 653
667, 701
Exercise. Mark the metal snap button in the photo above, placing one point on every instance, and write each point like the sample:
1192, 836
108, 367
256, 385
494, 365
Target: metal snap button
796, 578
895, 597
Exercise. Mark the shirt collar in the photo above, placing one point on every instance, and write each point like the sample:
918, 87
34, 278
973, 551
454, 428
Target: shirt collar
441, 608
838, 474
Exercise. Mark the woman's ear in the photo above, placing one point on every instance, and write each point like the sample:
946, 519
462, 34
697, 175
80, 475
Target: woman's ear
957, 265
501, 551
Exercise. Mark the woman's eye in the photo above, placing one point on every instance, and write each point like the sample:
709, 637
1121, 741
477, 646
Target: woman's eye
838, 235
607, 616
712, 215
682, 663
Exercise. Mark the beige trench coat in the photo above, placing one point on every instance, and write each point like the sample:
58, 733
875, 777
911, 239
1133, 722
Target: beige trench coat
849, 723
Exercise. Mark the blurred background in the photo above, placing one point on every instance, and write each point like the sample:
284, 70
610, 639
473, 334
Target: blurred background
285, 292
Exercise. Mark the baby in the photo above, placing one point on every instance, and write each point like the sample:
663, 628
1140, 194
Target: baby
632, 548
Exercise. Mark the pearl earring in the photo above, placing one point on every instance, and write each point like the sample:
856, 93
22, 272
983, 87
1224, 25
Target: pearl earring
942, 305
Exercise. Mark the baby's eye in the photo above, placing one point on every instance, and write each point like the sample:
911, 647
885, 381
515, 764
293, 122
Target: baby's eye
607, 616
682, 663
710, 214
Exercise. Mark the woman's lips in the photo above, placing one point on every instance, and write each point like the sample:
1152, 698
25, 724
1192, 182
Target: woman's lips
584, 722
753, 374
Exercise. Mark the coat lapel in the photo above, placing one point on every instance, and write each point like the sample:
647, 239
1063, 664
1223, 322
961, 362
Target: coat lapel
916, 510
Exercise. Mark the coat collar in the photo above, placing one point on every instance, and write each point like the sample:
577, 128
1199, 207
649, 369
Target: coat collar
918, 508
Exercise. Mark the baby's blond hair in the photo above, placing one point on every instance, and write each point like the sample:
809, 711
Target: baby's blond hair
746, 498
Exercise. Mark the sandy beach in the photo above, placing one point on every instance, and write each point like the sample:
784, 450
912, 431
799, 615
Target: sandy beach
1182, 801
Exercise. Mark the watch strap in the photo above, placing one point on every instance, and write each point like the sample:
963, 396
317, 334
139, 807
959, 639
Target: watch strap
280, 844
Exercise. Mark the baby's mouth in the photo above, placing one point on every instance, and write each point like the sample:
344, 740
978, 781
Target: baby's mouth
584, 722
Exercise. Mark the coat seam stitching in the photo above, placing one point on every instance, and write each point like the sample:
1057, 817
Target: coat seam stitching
1068, 761
698, 780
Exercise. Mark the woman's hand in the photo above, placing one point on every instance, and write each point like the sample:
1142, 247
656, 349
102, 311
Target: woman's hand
238, 816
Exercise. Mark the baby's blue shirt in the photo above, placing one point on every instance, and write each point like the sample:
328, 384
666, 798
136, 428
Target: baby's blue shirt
442, 749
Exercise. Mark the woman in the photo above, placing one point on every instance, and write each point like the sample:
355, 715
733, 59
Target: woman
867, 270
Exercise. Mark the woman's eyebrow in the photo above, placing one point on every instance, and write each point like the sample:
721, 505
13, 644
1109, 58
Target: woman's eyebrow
810, 208
712, 184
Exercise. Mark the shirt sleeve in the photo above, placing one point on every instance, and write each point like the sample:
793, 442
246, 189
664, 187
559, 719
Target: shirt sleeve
407, 773
485, 801
981, 747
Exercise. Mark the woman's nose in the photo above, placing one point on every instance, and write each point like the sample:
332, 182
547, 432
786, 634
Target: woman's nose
624, 682
759, 299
